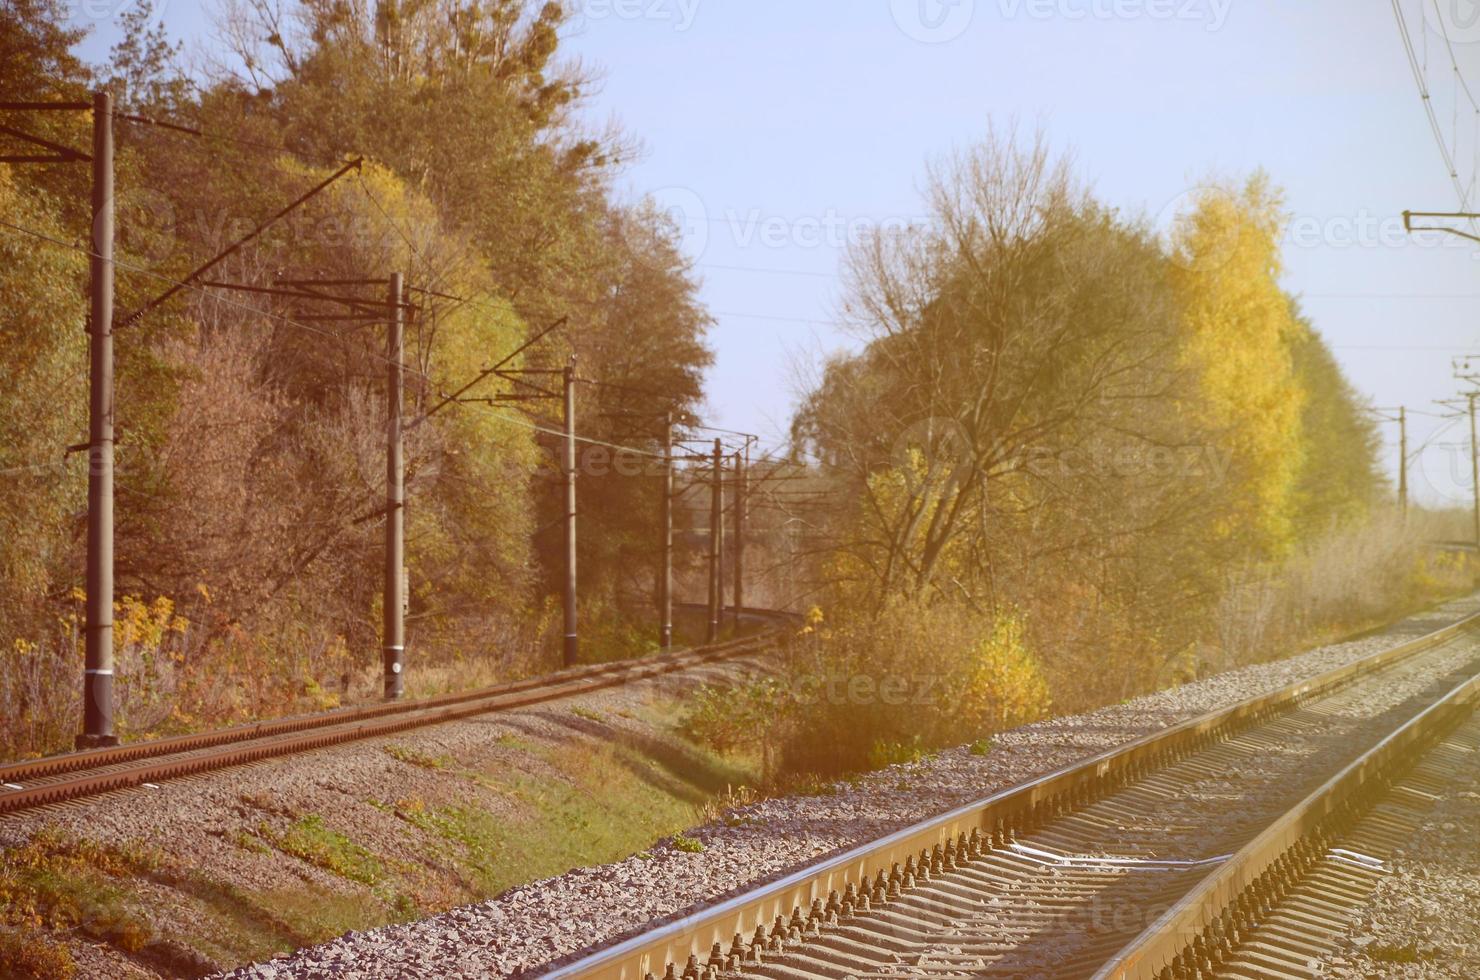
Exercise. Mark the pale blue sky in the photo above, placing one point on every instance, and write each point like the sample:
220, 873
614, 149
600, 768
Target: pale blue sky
772, 125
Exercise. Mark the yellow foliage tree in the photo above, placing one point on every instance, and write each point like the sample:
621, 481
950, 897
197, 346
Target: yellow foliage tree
1238, 331
1005, 687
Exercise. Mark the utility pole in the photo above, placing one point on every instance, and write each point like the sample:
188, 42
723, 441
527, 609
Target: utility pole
97, 687
1463, 372
572, 639
739, 545
716, 542
394, 602
97, 699
1403, 461
1400, 416
665, 573
1474, 466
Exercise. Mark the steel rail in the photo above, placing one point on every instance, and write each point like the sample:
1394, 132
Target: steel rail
697, 940
124, 766
1190, 938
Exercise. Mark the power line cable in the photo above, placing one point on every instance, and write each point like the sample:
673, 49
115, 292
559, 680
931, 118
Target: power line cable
1453, 61
215, 296
536, 427
174, 127
1435, 126
32, 467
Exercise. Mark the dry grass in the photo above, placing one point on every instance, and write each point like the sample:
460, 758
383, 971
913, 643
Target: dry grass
1348, 580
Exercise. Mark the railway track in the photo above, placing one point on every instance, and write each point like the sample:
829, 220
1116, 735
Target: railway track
1132, 864
76, 775
1276, 908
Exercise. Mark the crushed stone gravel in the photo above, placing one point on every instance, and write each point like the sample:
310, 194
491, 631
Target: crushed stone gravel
200, 822
1420, 922
531, 925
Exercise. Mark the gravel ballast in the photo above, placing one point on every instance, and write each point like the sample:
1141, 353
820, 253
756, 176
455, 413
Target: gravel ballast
1421, 920
291, 851
531, 925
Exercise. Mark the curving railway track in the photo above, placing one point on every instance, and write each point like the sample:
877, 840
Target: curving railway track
76, 775
1219, 847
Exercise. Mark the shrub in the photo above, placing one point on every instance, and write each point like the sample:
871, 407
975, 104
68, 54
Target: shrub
26, 955
689, 845
734, 717
1002, 687
66, 884
884, 754
878, 691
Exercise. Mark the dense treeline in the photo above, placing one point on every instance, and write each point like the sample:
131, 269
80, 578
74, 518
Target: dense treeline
1075, 460
251, 438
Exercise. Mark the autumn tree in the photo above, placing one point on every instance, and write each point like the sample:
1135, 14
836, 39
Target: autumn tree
251, 431
1238, 337
1014, 343
1055, 415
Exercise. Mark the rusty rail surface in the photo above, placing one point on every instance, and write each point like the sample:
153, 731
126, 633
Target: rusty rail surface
696, 941
124, 766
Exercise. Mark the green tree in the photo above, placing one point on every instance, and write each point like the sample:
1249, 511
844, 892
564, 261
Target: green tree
1340, 477
42, 320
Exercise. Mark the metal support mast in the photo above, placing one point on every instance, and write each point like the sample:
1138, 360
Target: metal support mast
716, 542
97, 724
1474, 466
568, 465
394, 612
665, 571
1403, 461
738, 546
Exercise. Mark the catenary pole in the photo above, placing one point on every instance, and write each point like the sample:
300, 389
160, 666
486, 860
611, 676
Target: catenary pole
97, 721
1403, 461
665, 572
716, 542
568, 464
394, 612
738, 546
1474, 467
